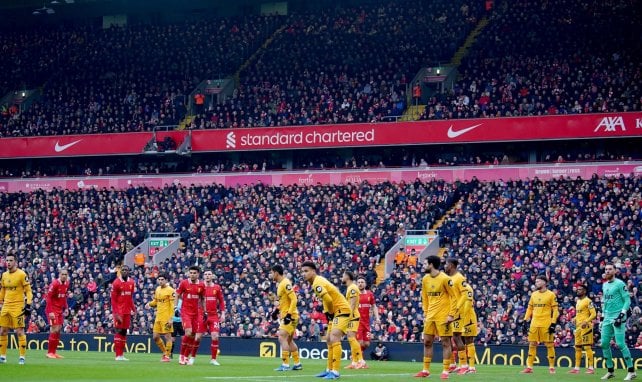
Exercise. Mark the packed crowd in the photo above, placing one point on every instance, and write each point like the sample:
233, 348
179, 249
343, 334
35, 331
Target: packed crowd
127, 78
238, 233
344, 65
521, 66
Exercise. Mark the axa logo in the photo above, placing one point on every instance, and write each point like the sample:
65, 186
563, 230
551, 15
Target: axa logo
230, 140
610, 124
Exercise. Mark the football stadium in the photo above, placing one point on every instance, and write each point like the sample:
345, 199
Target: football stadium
294, 190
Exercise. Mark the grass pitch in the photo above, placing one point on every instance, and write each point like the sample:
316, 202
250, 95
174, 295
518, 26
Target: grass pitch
94, 366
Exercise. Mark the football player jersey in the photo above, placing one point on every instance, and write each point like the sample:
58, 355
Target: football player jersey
437, 297
287, 298
543, 308
322, 287
353, 292
164, 302
14, 287
57, 295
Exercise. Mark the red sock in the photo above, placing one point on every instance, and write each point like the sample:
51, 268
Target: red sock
363, 348
53, 343
119, 344
214, 348
195, 344
186, 346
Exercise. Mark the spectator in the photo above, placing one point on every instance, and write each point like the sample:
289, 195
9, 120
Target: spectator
380, 353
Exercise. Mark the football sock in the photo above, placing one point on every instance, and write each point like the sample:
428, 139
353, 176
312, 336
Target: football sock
119, 344
186, 345
285, 357
168, 347
161, 345
550, 354
578, 356
329, 360
4, 341
214, 348
463, 357
427, 361
195, 344
470, 351
532, 351
355, 349
447, 363
590, 360
337, 352
22, 344
295, 356
53, 342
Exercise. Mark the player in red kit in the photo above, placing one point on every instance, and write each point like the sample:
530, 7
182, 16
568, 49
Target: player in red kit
122, 303
191, 293
214, 312
367, 305
56, 305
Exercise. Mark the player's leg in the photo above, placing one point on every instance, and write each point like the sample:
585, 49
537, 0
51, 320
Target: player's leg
196, 342
4, 337
328, 366
447, 351
459, 349
55, 324
169, 343
533, 340
607, 333
177, 333
156, 336
626, 353
469, 343
186, 341
336, 335
430, 330
355, 349
282, 335
294, 351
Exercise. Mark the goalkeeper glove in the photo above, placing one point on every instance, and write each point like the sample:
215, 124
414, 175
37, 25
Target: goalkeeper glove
275, 314
177, 312
287, 319
551, 329
620, 318
329, 316
26, 311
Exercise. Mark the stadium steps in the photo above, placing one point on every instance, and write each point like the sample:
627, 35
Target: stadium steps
185, 122
412, 113
381, 272
266, 43
470, 40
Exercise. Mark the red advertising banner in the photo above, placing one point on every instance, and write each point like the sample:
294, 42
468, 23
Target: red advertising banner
74, 145
448, 174
562, 127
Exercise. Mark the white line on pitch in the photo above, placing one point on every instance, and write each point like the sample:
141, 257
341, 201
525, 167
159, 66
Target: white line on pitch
290, 376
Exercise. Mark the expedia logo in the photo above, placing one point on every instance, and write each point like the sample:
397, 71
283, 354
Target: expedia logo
230, 140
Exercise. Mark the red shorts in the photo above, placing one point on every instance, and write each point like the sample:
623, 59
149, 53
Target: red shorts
363, 333
57, 317
193, 322
122, 321
213, 325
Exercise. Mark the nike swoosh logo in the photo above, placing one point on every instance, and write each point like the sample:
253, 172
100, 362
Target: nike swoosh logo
58, 148
454, 134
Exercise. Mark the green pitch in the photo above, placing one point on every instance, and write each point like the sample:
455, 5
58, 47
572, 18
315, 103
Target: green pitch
92, 366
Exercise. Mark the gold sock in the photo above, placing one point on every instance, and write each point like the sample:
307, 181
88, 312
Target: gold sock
578, 356
4, 342
447, 363
463, 357
355, 349
532, 351
168, 347
427, 361
589, 356
161, 345
22, 344
329, 360
550, 354
285, 357
470, 351
337, 352
295, 357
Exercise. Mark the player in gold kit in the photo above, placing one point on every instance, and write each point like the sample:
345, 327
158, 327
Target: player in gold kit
585, 314
289, 316
543, 312
163, 324
15, 303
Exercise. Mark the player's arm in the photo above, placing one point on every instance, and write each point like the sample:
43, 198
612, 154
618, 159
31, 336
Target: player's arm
26, 286
555, 309
626, 298
450, 290
354, 303
291, 296
114, 293
154, 302
1, 292
592, 312
177, 297
424, 298
529, 311
373, 310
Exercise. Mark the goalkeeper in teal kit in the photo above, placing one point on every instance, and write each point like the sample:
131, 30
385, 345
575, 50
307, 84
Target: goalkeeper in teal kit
615, 303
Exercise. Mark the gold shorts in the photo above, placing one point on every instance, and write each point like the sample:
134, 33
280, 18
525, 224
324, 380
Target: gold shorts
353, 325
584, 336
163, 327
289, 328
539, 335
12, 319
437, 328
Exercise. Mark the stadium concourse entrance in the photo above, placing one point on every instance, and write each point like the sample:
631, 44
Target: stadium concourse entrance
156, 248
